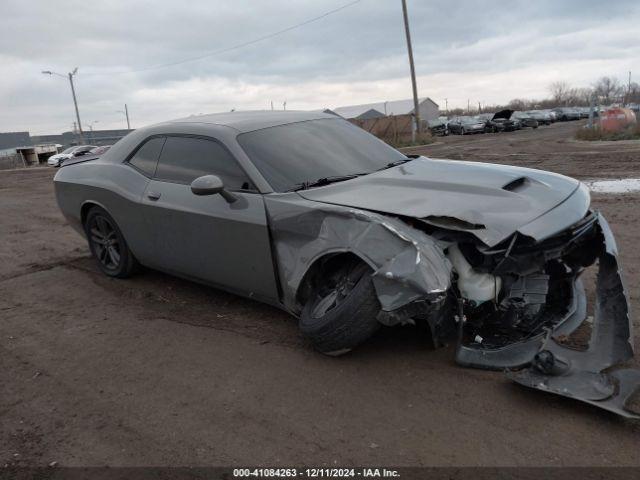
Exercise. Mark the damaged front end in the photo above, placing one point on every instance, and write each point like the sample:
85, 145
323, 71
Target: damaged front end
517, 305
511, 306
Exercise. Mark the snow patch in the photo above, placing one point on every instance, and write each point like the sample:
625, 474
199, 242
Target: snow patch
623, 185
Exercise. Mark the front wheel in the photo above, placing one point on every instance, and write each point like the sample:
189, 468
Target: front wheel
107, 244
342, 312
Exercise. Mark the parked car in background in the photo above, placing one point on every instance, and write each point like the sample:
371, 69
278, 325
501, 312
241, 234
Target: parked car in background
464, 125
94, 153
489, 125
56, 160
552, 115
525, 119
584, 112
565, 114
635, 107
100, 150
503, 122
543, 118
438, 127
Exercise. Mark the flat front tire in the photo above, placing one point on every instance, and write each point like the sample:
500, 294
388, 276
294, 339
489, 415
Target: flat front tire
107, 244
342, 312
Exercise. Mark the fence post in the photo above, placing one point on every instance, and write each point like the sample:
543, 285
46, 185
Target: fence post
395, 129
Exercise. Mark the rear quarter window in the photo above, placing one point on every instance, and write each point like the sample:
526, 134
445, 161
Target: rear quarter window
146, 157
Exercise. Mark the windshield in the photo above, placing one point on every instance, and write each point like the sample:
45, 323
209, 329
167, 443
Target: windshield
69, 150
289, 155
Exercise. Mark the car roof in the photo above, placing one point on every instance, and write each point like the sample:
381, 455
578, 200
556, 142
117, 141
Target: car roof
253, 120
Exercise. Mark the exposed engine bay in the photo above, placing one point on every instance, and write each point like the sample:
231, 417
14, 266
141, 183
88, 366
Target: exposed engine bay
511, 307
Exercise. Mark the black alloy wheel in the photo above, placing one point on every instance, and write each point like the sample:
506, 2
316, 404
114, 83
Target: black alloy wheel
108, 245
104, 240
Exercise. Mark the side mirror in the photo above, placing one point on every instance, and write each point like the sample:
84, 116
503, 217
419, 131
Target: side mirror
211, 185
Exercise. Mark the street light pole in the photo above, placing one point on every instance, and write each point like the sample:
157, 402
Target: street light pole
126, 112
73, 93
75, 100
416, 106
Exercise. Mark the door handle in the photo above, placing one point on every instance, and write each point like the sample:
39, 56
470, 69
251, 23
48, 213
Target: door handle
153, 196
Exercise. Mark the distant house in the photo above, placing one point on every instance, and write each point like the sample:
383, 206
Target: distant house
429, 110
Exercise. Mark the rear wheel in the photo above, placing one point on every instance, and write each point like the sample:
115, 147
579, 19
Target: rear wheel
341, 312
107, 244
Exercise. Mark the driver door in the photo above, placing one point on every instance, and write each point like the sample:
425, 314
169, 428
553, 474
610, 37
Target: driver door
205, 237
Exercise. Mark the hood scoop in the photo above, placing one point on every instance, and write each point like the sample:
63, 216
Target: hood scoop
516, 184
522, 183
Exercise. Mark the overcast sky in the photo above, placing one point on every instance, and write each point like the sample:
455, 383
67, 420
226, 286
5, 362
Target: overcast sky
484, 51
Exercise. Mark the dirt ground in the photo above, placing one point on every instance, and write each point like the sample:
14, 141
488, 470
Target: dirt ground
159, 371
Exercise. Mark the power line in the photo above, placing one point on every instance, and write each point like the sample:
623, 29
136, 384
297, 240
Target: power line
234, 47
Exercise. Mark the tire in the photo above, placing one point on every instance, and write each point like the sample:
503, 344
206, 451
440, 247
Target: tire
107, 244
341, 314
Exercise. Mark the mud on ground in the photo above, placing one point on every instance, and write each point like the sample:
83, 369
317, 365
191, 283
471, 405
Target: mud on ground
159, 371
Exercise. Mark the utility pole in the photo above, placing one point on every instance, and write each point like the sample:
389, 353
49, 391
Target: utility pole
73, 93
126, 112
479, 109
629, 89
284, 105
75, 100
416, 106
271, 104
91, 138
446, 106
468, 107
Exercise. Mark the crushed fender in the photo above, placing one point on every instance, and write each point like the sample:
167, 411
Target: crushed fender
410, 269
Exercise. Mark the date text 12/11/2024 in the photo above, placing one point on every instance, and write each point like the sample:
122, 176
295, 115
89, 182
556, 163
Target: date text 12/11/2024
315, 473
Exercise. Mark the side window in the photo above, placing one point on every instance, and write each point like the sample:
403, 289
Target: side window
146, 157
184, 159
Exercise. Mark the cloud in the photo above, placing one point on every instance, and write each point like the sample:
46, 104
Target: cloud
477, 50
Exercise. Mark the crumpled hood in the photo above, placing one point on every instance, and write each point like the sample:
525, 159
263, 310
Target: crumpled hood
490, 201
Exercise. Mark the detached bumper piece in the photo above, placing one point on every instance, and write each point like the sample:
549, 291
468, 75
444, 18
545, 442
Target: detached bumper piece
588, 375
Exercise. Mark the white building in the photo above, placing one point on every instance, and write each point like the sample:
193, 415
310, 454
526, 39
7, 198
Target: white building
429, 109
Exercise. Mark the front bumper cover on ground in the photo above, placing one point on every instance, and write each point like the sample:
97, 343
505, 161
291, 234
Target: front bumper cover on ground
589, 376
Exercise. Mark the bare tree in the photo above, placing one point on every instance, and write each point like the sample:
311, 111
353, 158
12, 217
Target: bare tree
633, 95
583, 95
519, 104
559, 92
608, 89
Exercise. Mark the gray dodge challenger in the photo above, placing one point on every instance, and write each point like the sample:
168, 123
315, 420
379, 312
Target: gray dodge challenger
312, 214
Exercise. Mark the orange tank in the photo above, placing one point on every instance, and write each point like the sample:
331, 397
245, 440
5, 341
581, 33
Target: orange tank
616, 119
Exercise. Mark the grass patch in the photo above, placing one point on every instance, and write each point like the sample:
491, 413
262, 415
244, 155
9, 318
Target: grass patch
424, 139
632, 132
